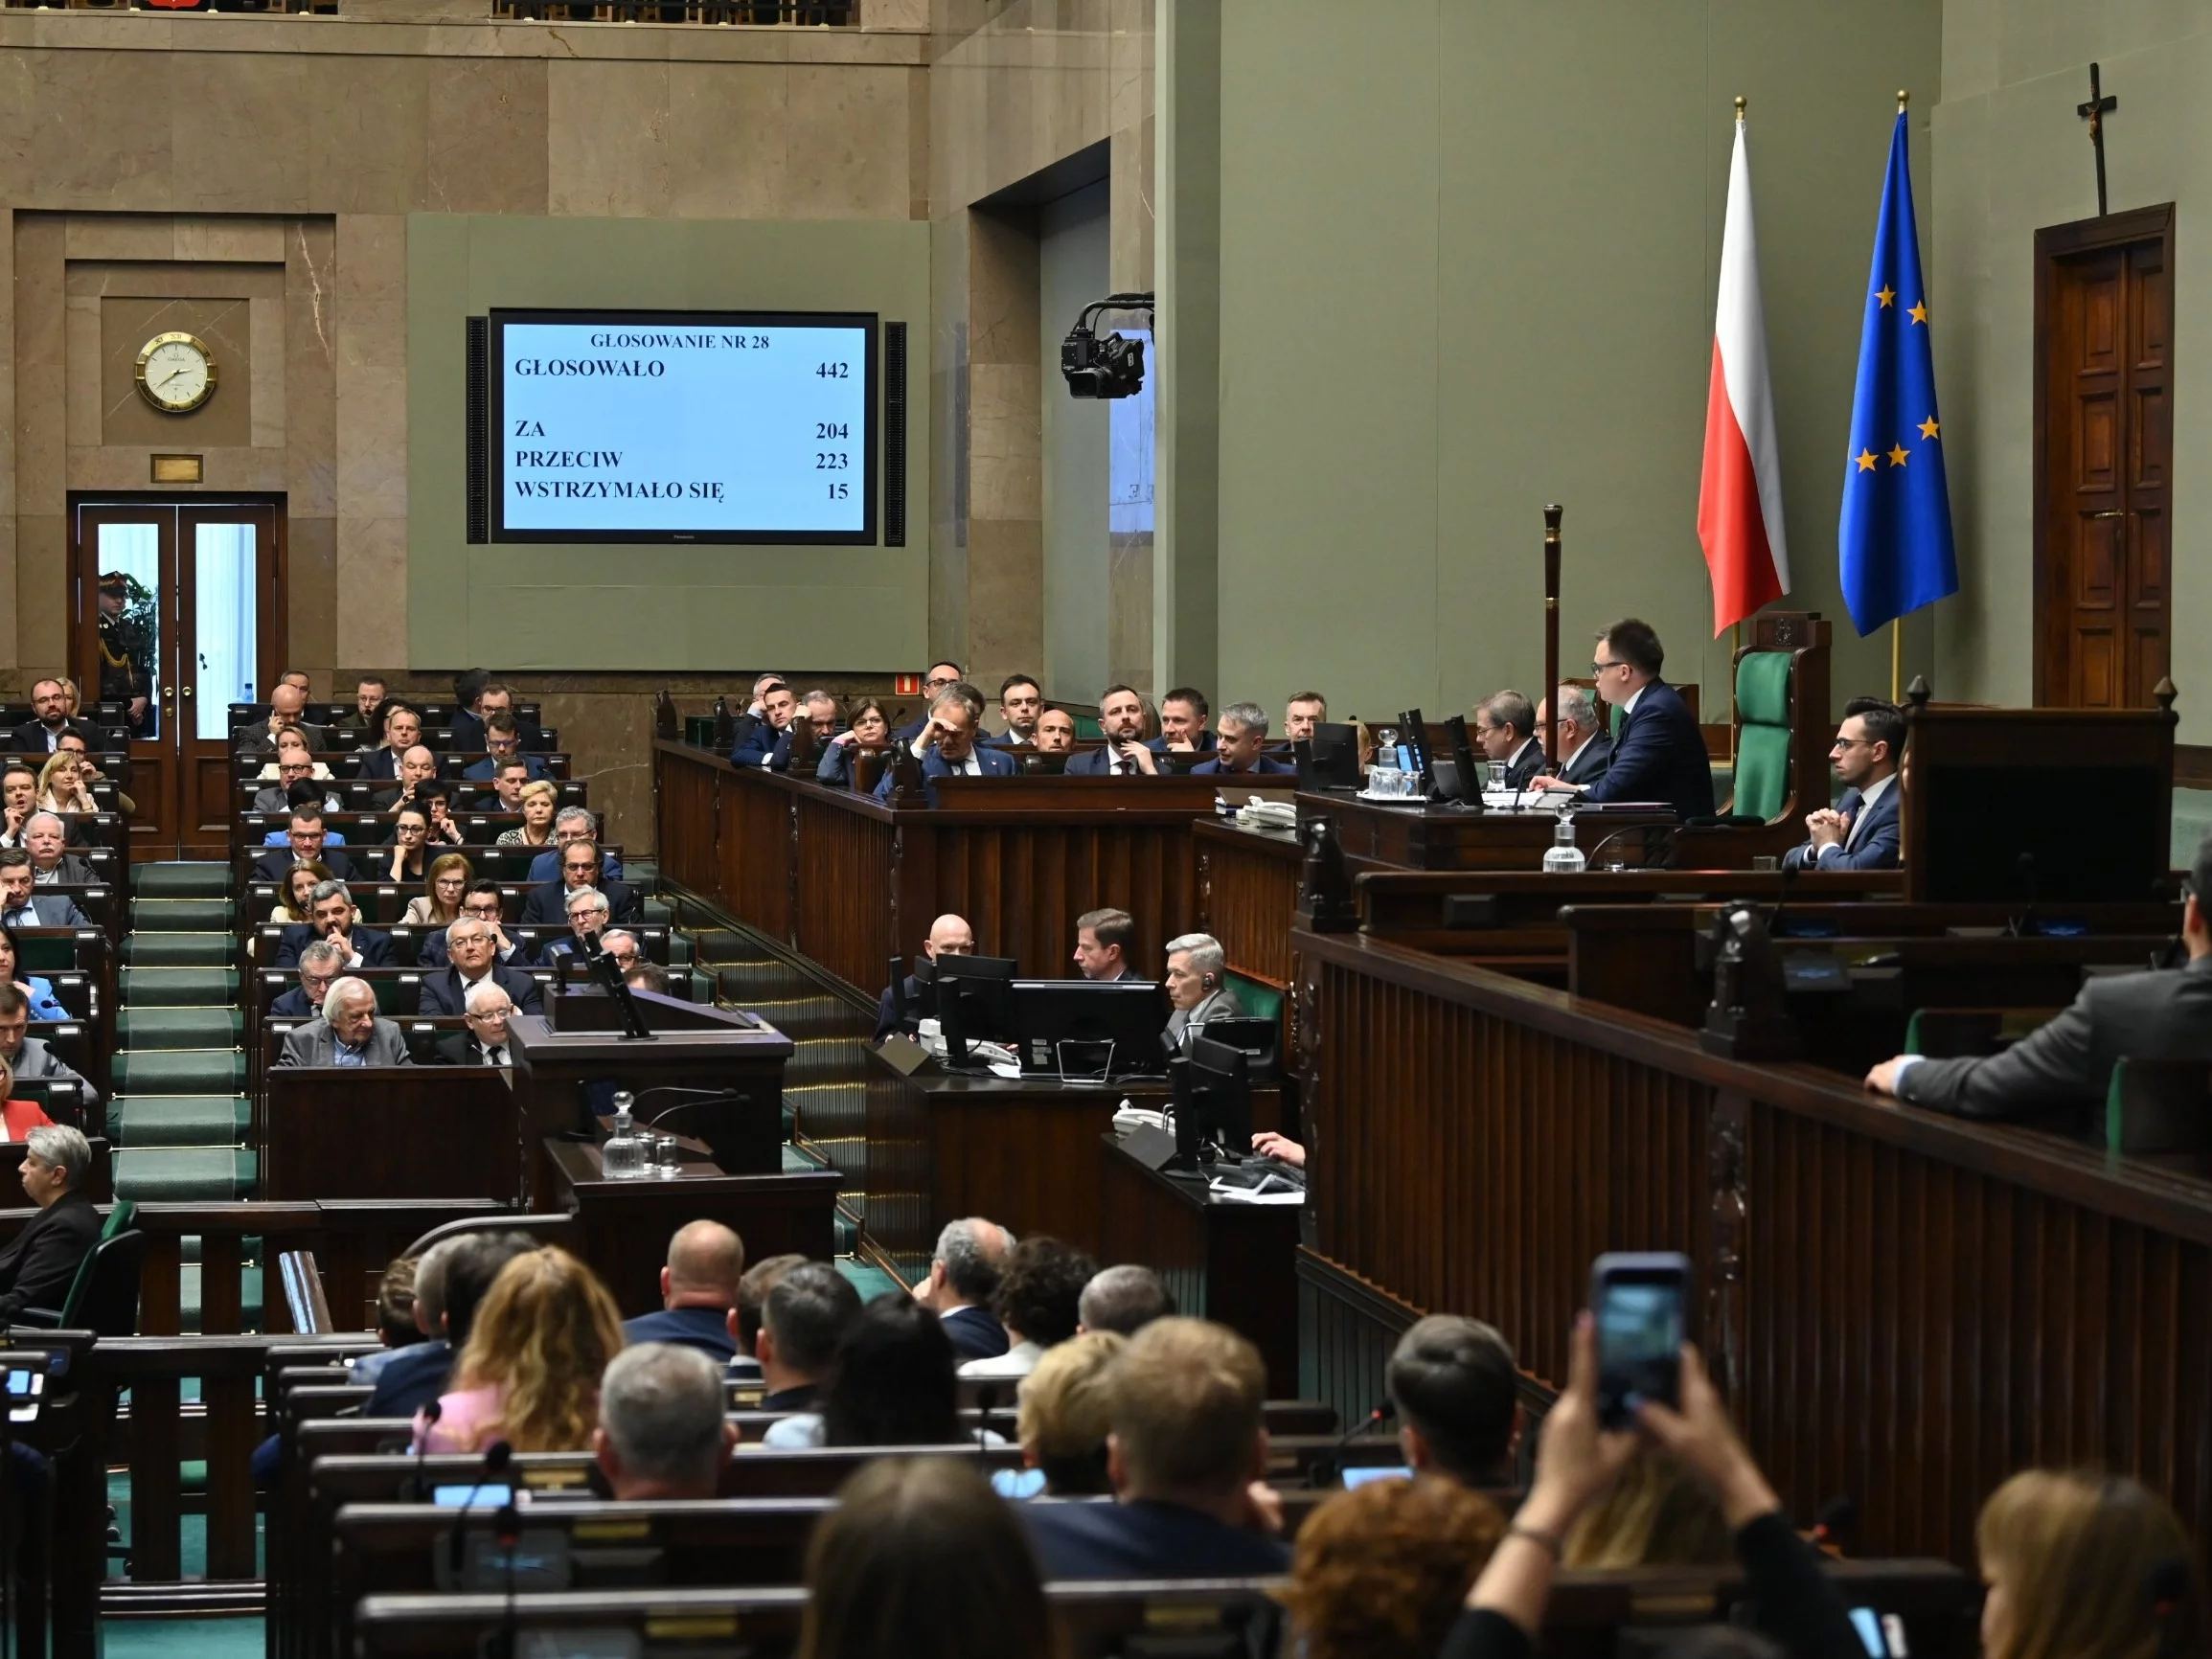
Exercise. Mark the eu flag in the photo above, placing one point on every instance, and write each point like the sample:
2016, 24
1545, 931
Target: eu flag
1895, 533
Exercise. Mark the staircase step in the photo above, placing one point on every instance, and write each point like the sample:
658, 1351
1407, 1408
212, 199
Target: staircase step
164, 915
178, 1028
180, 1072
182, 1174
177, 950
195, 879
139, 1121
145, 988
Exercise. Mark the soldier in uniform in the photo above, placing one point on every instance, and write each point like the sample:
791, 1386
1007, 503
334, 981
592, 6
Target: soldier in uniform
125, 655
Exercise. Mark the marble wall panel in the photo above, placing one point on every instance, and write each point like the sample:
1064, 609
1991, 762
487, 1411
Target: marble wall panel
41, 382
311, 364
607, 140
371, 441
241, 135
129, 466
266, 328
86, 406
41, 591
228, 239
18, 127
311, 594
372, 588
739, 114
846, 139
1003, 296
1006, 443
7, 635
368, 133
127, 323
103, 132
1005, 597
485, 142
128, 238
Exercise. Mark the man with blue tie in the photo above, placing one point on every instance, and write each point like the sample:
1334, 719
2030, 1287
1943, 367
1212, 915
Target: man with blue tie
1862, 830
1659, 753
947, 746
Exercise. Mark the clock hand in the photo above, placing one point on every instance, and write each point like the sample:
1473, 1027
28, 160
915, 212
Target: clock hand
173, 374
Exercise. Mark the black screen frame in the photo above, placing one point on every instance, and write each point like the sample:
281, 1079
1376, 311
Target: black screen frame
870, 323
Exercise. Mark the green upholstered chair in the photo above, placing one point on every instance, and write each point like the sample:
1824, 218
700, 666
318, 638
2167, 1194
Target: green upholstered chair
1258, 998
1764, 728
1088, 726
2159, 1108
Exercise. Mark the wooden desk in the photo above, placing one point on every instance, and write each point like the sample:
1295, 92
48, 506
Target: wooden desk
1428, 837
389, 1132
624, 1226
1249, 894
1221, 1260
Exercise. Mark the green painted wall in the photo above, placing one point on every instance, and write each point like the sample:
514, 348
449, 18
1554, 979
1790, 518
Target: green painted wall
698, 608
1468, 265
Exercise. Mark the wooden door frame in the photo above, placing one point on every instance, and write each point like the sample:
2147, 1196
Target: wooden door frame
2054, 244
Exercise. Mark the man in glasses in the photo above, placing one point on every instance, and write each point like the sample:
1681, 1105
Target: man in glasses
321, 965
1861, 831
305, 843
580, 869
941, 678
1659, 754
502, 748
572, 824
481, 904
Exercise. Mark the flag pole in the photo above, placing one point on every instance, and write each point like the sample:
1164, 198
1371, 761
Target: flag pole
1735, 647
1896, 658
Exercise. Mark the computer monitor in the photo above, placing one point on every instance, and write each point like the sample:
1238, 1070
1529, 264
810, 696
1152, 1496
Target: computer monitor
974, 1002
1034, 765
1465, 774
2040, 833
1330, 758
1211, 1084
1089, 1014
1415, 744
1261, 1038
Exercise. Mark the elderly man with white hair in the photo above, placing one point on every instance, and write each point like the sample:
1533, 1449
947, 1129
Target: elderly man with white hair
1198, 974
45, 838
587, 911
472, 959
348, 1034
662, 1434
485, 1042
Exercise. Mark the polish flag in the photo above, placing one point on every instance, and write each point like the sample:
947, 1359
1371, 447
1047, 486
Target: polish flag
1740, 503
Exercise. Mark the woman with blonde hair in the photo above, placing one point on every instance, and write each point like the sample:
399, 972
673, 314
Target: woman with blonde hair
292, 904
2087, 1566
290, 738
439, 904
1654, 1517
539, 798
1066, 1413
529, 1372
61, 784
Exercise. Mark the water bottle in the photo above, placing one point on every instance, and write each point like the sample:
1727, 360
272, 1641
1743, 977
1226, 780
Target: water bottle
622, 1158
1565, 857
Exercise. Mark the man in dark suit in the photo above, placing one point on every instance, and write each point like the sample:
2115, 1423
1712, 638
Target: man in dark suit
472, 959
962, 1278
45, 838
42, 735
285, 703
321, 965
418, 771
402, 731
1864, 830
1102, 945
304, 844
37, 1268
573, 824
1456, 1390
332, 916
21, 907
1183, 724
474, 705
949, 935
1587, 751
28, 1057
485, 1043
939, 678
1020, 705
757, 741
1120, 718
949, 748
547, 906
350, 1033
1659, 754
698, 1289
803, 1319
1505, 727
1241, 747
1188, 1447
502, 741
2067, 1067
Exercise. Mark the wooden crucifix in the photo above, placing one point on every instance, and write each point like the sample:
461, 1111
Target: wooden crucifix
2095, 111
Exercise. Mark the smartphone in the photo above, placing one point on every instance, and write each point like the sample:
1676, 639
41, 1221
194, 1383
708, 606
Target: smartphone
470, 1497
1881, 1634
1359, 1474
1641, 1305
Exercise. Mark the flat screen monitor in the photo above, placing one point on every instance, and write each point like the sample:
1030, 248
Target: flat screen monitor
683, 426
2042, 833
1213, 1094
974, 1002
1086, 1028
1329, 760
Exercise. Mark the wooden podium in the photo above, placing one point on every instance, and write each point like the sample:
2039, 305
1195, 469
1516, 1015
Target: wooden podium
388, 1132
694, 1052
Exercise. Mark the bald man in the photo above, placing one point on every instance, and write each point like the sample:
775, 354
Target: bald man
697, 1289
949, 935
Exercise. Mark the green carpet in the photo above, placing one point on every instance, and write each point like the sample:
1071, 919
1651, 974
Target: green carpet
180, 1174
200, 878
180, 1072
184, 1638
180, 915
870, 1281
178, 1028
214, 1120
178, 988
177, 950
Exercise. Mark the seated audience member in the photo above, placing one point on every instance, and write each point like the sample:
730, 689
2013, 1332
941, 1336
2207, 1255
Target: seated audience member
62, 786
948, 747
1123, 1300
755, 710
1039, 1292
1121, 720
529, 1372
18, 1118
1102, 944
450, 1284
579, 872
470, 687
294, 906
396, 1326
570, 825
472, 959
586, 912
1066, 1414
41, 1263
333, 916
538, 800
1505, 726
941, 678
949, 935
45, 838
647, 976
22, 905
480, 901
365, 717
305, 843
2087, 1565
2066, 1065
1244, 736
402, 730
1659, 753
778, 708
37, 988
1380, 1570
699, 1287
404, 860
1302, 713
29, 1058
806, 1314
292, 745
298, 677
963, 1283
823, 721
487, 1008
322, 964
509, 779
1655, 1516
439, 904
1197, 969
417, 766
1054, 732
293, 769
920, 1559
73, 743
347, 1033
51, 716
503, 747
18, 799
870, 729
662, 1436
1455, 1389
1188, 1446
285, 705
1862, 830
305, 792
1184, 730
1586, 751
623, 947
890, 1384
751, 1310
1020, 702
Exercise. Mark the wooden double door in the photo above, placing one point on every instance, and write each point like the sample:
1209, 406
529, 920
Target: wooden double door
177, 613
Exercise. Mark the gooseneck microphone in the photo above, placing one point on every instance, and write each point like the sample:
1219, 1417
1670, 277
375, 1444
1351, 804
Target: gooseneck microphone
496, 1457
430, 1414
1329, 1469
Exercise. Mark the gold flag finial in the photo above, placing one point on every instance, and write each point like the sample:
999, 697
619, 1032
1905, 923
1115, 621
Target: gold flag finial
1902, 96
1740, 102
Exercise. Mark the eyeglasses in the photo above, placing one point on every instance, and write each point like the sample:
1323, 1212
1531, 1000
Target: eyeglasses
501, 746
317, 981
1600, 667
485, 907
490, 1016
937, 682
1853, 743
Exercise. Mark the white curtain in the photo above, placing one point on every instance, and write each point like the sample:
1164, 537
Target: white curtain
226, 649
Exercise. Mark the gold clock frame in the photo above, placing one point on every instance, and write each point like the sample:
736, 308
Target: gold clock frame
170, 339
